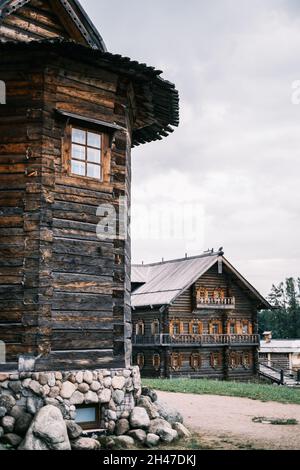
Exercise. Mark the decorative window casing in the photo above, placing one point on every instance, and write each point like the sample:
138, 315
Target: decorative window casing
195, 361
155, 327
246, 327
185, 328
175, 327
247, 360
156, 361
215, 327
216, 360
140, 328
195, 327
231, 327
219, 294
140, 360
202, 294
176, 360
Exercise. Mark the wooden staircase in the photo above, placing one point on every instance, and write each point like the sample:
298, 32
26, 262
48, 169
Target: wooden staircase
279, 376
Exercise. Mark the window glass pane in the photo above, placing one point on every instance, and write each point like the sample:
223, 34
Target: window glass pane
86, 415
78, 136
93, 171
78, 152
94, 140
93, 155
78, 168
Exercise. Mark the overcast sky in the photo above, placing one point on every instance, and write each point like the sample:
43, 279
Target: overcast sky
234, 162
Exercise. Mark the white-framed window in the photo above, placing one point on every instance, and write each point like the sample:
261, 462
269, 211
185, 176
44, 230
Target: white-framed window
86, 153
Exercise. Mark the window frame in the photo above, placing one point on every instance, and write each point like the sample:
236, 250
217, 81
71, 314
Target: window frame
196, 356
178, 358
216, 360
89, 425
105, 157
155, 325
156, 366
140, 324
142, 357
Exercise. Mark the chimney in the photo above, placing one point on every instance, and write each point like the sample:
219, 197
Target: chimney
267, 336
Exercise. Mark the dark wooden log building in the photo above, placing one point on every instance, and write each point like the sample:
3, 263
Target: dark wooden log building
70, 114
195, 317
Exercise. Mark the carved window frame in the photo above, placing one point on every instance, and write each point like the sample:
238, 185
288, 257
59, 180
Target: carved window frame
156, 361
155, 327
195, 357
140, 360
176, 361
140, 326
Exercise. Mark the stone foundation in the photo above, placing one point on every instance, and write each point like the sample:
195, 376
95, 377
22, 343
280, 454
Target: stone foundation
116, 391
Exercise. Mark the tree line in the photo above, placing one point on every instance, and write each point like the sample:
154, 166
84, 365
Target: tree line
284, 319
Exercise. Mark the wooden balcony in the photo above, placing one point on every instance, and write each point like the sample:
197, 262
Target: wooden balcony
196, 340
221, 303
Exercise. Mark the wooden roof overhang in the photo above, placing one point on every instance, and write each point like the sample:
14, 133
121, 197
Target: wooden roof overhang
71, 14
156, 99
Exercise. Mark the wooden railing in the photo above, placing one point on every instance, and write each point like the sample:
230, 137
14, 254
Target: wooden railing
211, 302
199, 340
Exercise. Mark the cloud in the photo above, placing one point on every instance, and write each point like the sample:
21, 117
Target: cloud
237, 151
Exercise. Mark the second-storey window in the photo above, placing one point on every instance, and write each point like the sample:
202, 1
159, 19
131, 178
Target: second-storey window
140, 328
86, 153
155, 327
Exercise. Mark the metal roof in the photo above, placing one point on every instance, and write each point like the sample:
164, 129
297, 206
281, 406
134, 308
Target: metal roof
280, 346
165, 281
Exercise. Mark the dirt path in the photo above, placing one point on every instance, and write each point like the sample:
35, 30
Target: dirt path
226, 422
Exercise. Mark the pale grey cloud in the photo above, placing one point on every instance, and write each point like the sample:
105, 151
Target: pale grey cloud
237, 151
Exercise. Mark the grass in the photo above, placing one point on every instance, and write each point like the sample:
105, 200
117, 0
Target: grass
231, 389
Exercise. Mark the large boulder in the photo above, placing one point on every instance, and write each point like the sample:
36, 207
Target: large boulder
48, 431
145, 402
85, 443
139, 418
163, 429
169, 414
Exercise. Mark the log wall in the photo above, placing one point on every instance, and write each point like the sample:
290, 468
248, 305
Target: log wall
62, 289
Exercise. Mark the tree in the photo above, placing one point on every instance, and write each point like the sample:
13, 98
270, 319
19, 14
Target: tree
284, 319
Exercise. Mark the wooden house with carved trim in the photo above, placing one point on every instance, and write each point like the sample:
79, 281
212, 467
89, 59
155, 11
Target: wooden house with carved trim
70, 112
195, 317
